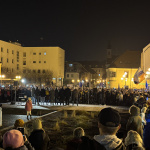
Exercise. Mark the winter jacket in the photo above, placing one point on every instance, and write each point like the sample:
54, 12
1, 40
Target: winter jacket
108, 142
28, 106
39, 139
135, 122
42, 93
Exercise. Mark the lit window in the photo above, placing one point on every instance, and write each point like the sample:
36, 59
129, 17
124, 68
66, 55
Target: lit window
70, 65
44, 53
34, 62
99, 74
44, 61
34, 53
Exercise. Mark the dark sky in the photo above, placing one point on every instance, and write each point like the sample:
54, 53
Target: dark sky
82, 28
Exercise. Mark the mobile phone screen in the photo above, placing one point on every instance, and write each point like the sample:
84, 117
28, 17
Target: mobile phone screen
21, 129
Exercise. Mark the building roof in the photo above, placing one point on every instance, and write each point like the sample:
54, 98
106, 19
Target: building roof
129, 59
93, 64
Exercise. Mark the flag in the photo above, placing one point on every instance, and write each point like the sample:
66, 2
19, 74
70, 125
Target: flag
139, 76
146, 85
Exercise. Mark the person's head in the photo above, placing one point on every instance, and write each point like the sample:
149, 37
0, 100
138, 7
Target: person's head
109, 121
29, 98
13, 139
37, 124
19, 123
133, 138
134, 110
78, 132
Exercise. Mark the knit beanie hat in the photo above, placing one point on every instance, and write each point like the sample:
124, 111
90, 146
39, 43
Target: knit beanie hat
19, 123
37, 124
13, 139
109, 117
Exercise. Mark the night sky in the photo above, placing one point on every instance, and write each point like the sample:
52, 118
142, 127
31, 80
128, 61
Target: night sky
83, 28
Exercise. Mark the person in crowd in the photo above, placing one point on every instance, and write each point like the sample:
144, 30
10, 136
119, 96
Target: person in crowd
62, 95
73, 144
47, 95
14, 140
75, 94
133, 141
67, 95
19, 123
39, 138
42, 95
33, 94
37, 95
56, 96
142, 114
108, 124
28, 107
135, 121
52, 96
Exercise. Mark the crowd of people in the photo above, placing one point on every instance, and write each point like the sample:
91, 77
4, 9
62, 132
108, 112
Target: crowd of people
109, 123
109, 120
66, 95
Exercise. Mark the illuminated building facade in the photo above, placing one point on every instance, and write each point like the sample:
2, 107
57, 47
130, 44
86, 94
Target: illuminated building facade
44, 64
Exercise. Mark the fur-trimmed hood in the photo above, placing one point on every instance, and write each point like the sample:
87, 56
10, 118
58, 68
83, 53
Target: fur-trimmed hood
108, 141
133, 138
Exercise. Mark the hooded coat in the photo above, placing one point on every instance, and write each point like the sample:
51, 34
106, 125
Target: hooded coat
135, 122
28, 106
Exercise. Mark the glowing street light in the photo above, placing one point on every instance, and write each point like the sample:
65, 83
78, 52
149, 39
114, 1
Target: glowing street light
72, 81
78, 80
23, 80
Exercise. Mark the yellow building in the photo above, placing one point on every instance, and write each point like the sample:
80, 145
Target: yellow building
26, 61
121, 72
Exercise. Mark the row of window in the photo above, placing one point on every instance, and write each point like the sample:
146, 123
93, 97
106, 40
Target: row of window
39, 62
29, 71
24, 62
24, 53
69, 75
33, 71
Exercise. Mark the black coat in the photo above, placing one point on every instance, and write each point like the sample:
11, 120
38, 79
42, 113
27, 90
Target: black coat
39, 140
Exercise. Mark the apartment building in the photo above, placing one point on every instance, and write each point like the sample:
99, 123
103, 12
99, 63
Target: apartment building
37, 64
